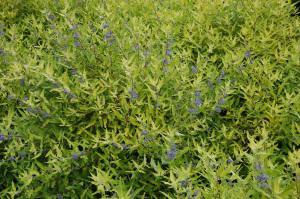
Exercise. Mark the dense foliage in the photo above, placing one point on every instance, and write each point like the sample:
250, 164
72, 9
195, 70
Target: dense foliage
149, 99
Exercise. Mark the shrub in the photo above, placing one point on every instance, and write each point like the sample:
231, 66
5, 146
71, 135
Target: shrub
149, 99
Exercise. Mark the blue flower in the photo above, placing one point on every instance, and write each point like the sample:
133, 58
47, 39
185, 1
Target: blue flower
75, 156
197, 93
218, 109
76, 35
108, 35
195, 193
145, 132
45, 114
198, 101
12, 158
265, 185
168, 52
165, 61
25, 98
262, 177
74, 27
222, 73
73, 71
115, 145
125, 147
105, 25
172, 152
133, 94
194, 69
76, 43
22, 82
10, 97
229, 161
193, 110
247, 54
29, 109
2, 137
51, 17
222, 101
59, 196
183, 183
258, 166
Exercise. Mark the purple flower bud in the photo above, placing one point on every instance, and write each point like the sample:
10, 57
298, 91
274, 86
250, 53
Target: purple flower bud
172, 152
133, 94
264, 185
197, 93
218, 109
45, 114
168, 52
76, 43
222, 74
76, 35
247, 54
74, 27
2, 137
195, 193
66, 91
75, 156
59, 196
105, 25
229, 161
258, 166
222, 101
51, 17
193, 110
183, 183
73, 71
198, 101
145, 132
22, 82
125, 147
25, 98
165, 61
262, 177
12, 158
157, 106
29, 110
194, 69
108, 35
10, 97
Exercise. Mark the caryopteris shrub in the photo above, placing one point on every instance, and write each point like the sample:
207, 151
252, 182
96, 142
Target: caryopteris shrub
149, 99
